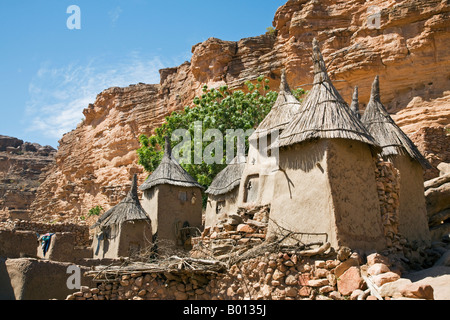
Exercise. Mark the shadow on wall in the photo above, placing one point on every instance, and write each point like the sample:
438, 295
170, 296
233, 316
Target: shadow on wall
6, 290
305, 161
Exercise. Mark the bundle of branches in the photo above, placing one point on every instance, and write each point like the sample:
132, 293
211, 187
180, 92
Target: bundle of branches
284, 240
304, 250
172, 265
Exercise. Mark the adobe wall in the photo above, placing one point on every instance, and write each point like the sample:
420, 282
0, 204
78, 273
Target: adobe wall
230, 199
17, 243
412, 215
263, 167
33, 279
173, 212
81, 232
61, 248
150, 204
135, 238
302, 201
108, 246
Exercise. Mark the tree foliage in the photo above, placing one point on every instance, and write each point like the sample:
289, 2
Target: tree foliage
219, 109
96, 211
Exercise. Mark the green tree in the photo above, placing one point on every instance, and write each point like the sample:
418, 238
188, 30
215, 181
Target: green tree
219, 109
96, 211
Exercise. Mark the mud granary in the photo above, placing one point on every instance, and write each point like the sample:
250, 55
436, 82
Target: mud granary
173, 202
318, 170
124, 230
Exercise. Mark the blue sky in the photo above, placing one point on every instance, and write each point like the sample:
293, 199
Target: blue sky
50, 73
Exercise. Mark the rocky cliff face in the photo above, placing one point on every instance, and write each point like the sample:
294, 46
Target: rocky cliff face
22, 168
409, 51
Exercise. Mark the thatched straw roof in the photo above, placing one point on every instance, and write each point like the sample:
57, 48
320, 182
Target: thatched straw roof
170, 172
355, 104
388, 135
324, 113
127, 210
282, 112
227, 179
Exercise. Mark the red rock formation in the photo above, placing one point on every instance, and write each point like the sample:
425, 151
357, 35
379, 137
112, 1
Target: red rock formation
22, 169
410, 52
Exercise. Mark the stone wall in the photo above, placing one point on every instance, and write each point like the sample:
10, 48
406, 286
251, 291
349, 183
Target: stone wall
388, 188
269, 276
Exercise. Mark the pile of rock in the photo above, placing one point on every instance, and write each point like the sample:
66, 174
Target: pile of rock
237, 233
385, 282
278, 276
437, 195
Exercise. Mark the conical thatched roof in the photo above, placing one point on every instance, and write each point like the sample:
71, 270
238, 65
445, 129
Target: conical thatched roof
170, 172
128, 209
227, 179
388, 135
324, 113
282, 112
355, 104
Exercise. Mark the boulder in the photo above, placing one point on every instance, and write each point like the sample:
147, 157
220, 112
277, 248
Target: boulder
437, 182
344, 266
444, 168
318, 283
383, 278
377, 258
355, 294
394, 288
350, 281
234, 219
344, 253
418, 291
438, 199
245, 228
377, 268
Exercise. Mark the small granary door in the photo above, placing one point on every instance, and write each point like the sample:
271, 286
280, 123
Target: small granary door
251, 189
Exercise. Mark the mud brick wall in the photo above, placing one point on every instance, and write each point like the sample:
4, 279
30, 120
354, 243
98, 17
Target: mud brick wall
81, 232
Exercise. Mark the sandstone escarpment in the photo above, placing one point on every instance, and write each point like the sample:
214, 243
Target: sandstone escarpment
23, 166
409, 51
